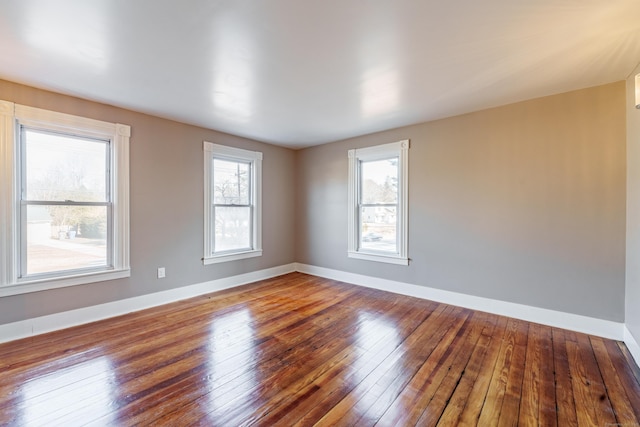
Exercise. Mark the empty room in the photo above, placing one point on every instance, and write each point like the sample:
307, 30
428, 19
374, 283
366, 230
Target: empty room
301, 213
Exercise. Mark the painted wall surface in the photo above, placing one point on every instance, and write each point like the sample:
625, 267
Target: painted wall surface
632, 302
523, 203
166, 208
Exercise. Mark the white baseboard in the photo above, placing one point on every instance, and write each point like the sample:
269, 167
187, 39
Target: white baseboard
632, 345
574, 322
52, 322
589, 325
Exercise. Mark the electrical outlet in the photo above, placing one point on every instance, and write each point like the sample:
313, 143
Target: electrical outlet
161, 273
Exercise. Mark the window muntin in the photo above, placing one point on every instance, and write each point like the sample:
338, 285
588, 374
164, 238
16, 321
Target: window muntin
65, 206
39, 155
232, 203
378, 200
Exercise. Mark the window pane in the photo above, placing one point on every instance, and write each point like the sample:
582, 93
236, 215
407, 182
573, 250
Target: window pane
63, 238
233, 228
60, 168
380, 181
230, 182
378, 228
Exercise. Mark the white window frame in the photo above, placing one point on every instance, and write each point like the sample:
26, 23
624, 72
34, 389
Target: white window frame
12, 116
399, 150
254, 158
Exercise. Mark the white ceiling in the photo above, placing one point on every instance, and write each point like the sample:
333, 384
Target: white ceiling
300, 72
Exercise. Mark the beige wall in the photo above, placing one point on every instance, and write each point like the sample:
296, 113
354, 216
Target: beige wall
524, 203
632, 311
166, 208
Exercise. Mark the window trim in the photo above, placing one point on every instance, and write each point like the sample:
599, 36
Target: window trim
254, 158
400, 150
12, 116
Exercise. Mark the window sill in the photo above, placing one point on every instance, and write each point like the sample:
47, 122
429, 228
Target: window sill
231, 257
389, 259
27, 286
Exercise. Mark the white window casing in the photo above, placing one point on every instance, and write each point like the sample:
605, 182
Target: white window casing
397, 150
12, 117
254, 159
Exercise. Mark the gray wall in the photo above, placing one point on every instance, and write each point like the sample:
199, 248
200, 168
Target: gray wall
632, 318
523, 203
166, 208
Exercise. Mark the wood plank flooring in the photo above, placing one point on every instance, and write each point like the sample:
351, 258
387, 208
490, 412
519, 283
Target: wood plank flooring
299, 350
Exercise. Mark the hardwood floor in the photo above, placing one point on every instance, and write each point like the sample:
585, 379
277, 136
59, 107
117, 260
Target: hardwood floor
301, 350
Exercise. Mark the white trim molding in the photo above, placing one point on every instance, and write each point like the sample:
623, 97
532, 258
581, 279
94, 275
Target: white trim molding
575, 322
13, 276
399, 150
67, 319
254, 159
632, 345
7, 192
558, 319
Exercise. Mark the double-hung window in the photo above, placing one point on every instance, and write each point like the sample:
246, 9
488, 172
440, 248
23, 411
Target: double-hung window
378, 201
65, 200
232, 201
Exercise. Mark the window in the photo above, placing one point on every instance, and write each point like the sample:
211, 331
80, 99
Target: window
378, 196
232, 207
64, 194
